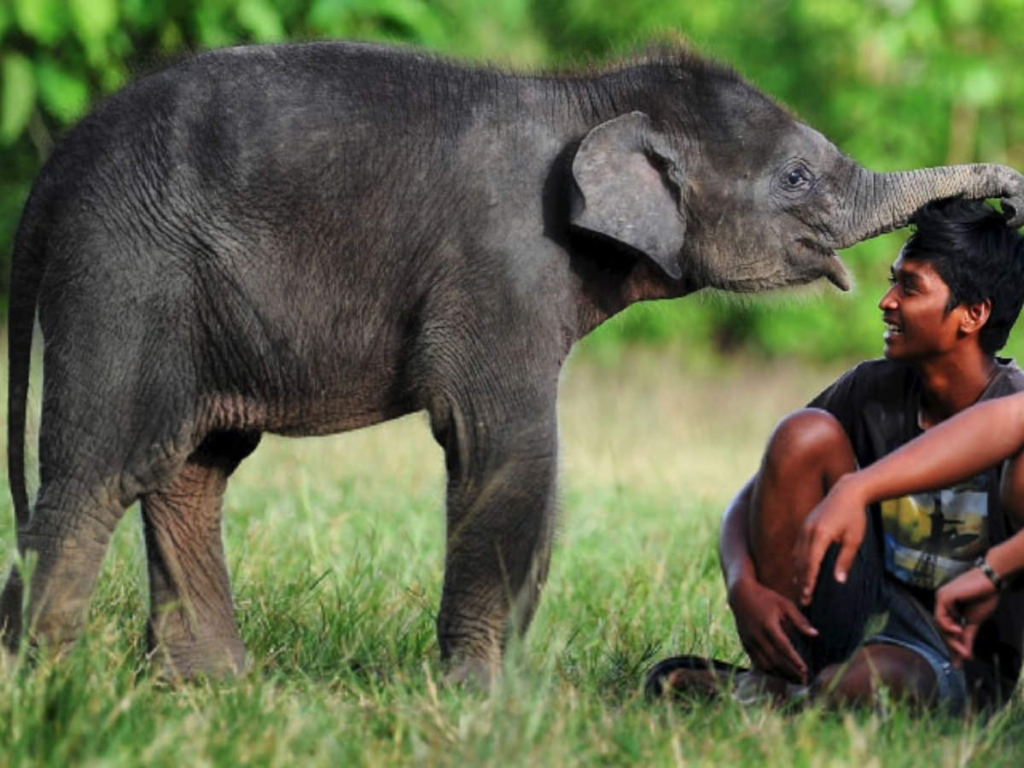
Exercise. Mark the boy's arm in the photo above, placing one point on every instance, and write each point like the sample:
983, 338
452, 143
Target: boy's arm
1007, 557
1011, 490
958, 448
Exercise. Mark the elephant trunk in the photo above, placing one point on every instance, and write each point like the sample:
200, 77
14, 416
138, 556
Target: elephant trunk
882, 202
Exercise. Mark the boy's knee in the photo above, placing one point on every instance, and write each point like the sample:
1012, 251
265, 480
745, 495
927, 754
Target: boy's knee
807, 439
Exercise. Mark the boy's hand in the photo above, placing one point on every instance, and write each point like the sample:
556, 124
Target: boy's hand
961, 605
762, 616
840, 518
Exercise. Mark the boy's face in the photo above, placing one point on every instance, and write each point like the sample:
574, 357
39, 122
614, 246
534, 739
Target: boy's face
917, 326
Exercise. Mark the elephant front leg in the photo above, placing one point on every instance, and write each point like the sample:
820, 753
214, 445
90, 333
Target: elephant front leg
192, 620
501, 509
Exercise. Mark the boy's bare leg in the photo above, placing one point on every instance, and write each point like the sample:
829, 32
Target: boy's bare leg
806, 454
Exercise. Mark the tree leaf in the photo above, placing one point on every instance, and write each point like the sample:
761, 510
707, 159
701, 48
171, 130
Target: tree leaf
93, 19
113, 76
43, 20
210, 23
260, 19
64, 94
144, 14
5, 19
18, 98
171, 38
981, 85
419, 21
329, 17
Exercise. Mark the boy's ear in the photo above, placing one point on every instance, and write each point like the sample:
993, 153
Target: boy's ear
976, 316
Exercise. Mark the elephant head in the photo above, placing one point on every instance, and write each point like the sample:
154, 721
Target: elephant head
731, 191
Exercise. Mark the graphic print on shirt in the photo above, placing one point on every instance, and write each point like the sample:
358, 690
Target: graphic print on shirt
933, 536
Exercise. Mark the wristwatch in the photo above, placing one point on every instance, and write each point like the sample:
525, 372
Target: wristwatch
997, 581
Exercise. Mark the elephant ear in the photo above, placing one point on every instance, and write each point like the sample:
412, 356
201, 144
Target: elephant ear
628, 186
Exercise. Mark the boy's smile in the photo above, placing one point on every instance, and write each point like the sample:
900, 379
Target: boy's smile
914, 310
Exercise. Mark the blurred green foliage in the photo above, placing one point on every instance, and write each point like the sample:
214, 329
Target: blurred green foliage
894, 83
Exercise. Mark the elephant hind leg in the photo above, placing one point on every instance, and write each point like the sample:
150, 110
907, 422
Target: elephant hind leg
68, 532
88, 473
192, 623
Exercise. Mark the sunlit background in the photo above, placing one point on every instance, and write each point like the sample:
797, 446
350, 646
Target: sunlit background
894, 83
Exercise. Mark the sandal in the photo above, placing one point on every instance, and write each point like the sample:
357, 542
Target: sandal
690, 676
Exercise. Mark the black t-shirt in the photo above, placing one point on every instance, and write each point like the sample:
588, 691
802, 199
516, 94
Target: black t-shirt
878, 403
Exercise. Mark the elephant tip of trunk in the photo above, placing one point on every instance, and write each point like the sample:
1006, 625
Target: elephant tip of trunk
1013, 210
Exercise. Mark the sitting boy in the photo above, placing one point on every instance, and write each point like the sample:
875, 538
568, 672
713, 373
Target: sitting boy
957, 288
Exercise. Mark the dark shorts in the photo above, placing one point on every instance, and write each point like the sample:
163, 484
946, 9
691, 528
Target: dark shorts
872, 607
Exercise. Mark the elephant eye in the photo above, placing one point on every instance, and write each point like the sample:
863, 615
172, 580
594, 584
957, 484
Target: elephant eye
797, 176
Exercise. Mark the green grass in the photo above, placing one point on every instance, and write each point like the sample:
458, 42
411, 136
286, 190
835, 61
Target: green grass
335, 547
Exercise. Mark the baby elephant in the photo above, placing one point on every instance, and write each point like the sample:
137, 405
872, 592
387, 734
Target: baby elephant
305, 239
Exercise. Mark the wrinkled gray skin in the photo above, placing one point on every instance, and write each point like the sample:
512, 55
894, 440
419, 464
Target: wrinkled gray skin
309, 239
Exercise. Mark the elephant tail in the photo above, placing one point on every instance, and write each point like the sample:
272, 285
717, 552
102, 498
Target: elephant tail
26, 276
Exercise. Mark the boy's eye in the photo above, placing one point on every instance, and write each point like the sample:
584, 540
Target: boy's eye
906, 284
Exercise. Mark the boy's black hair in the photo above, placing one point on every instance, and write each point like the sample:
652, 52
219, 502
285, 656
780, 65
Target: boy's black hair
977, 256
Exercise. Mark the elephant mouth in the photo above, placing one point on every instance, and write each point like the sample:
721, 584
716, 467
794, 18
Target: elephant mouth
829, 263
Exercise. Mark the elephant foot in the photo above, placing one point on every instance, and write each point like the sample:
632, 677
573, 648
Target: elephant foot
8, 662
181, 655
473, 673
177, 664
10, 612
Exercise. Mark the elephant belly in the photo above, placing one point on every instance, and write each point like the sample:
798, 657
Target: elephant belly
329, 416
307, 412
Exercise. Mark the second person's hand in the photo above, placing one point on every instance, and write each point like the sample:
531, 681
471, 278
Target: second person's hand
840, 518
